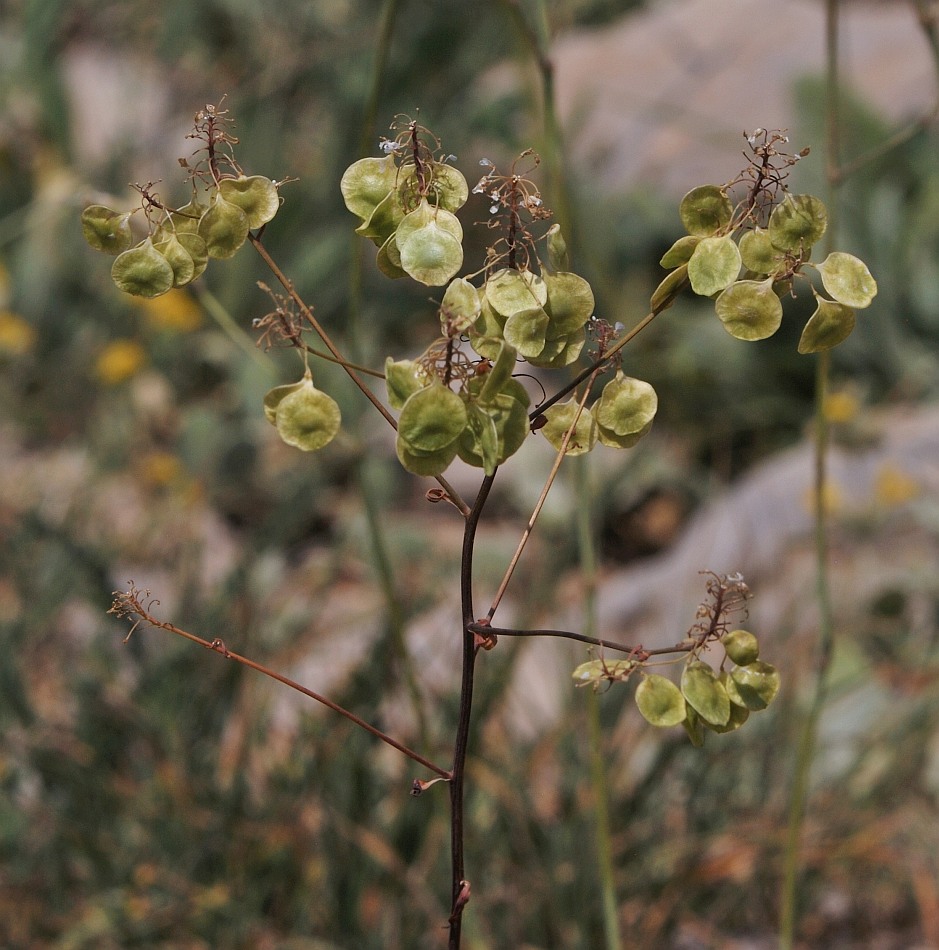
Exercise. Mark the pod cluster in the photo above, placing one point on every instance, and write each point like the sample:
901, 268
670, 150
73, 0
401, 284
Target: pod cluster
747, 275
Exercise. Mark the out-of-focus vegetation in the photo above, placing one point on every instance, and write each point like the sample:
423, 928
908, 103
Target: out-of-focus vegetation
155, 796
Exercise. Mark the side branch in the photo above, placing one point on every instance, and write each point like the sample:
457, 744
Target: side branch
130, 604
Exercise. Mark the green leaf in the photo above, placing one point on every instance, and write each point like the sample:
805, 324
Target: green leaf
797, 222
705, 210
741, 646
750, 310
714, 265
757, 683
827, 327
306, 418
848, 280
432, 419
224, 228
757, 252
256, 195
142, 271
366, 183
107, 230
680, 252
560, 418
704, 692
660, 701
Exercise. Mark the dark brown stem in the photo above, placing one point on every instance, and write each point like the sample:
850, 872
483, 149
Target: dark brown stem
460, 887
129, 605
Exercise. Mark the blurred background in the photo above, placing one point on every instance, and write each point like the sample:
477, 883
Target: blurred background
156, 796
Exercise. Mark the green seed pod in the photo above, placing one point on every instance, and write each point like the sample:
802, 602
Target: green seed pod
224, 228
557, 250
510, 291
448, 190
626, 405
107, 230
432, 419
383, 220
185, 220
664, 295
425, 215
848, 280
757, 252
750, 310
560, 351
680, 252
500, 375
797, 222
307, 418
757, 683
525, 330
704, 692
733, 693
460, 307
431, 255
196, 249
389, 259
479, 443
403, 378
738, 714
560, 418
705, 210
570, 302
609, 438
714, 265
256, 195
275, 395
595, 671
741, 646
827, 327
694, 726
366, 183
142, 271
429, 463
178, 258
660, 701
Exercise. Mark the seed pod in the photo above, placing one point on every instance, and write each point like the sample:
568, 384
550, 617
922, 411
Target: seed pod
403, 378
366, 183
660, 701
142, 271
305, 417
848, 280
714, 265
383, 220
570, 302
178, 258
827, 327
741, 646
431, 254
757, 252
185, 220
510, 291
750, 310
224, 228
557, 250
424, 463
107, 230
704, 692
560, 351
256, 195
626, 405
705, 210
525, 330
560, 418
461, 306
680, 252
432, 418
797, 222
664, 295
448, 189
757, 683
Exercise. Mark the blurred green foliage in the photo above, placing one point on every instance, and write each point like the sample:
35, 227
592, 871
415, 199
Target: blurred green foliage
148, 796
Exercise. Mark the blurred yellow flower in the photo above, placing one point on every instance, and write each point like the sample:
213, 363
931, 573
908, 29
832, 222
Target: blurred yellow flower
118, 361
832, 498
17, 337
175, 310
841, 407
160, 468
893, 487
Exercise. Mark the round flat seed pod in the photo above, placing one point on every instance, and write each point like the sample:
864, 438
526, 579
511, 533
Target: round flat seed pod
432, 418
741, 646
509, 291
827, 327
461, 306
366, 183
705, 210
403, 378
750, 310
431, 255
256, 195
178, 258
797, 222
224, 228
626, 405
570, 302
704, 692
660, 701
848, 280
714, 265
107, 230
448, 189
430, 463
680, 252
525, 331
307, 418
142, 271
757, 252
757, 684
560, 418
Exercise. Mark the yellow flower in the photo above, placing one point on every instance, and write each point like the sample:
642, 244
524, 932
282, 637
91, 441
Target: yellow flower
841, 407
118, 361
832, 498
175, 310
893, 487
17, 337
160, 468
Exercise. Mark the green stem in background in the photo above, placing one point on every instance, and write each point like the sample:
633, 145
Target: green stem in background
588, 566
367, 474
230, 327
808, 740
537, 39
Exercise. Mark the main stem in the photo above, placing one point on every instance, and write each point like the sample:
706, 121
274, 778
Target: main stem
461, 742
